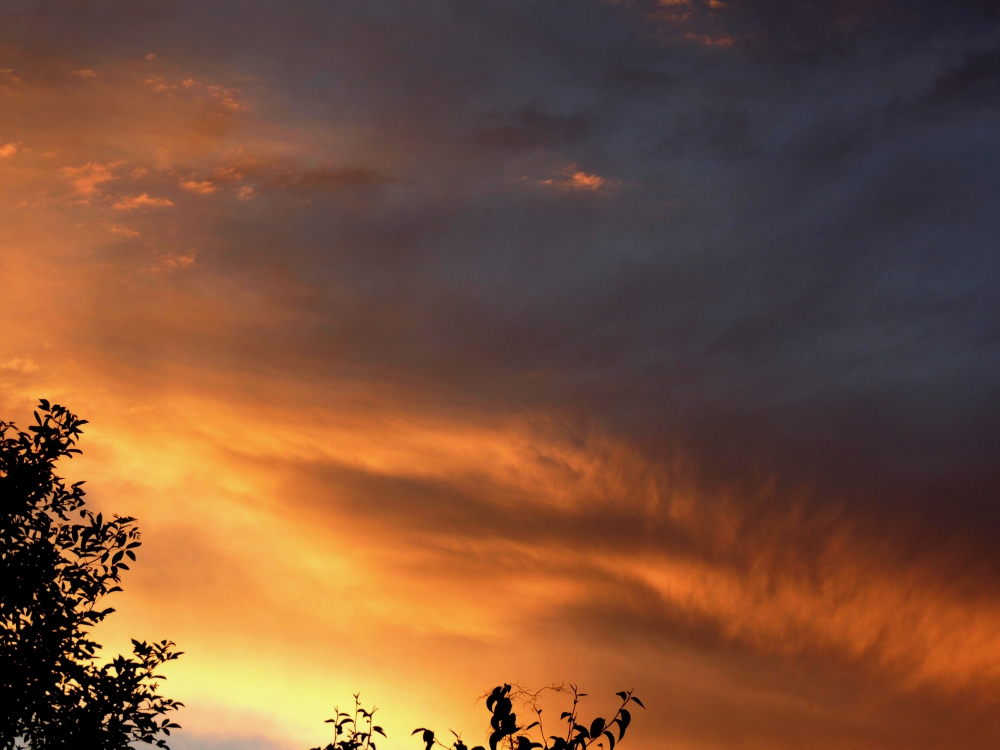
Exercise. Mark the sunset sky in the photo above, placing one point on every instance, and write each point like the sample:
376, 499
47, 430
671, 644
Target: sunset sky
441, 343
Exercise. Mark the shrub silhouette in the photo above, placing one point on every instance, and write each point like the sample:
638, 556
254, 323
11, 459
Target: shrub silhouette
57, 563
506, 732
354, 732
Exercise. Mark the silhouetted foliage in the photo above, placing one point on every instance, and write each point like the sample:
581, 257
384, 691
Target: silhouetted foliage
54, 572
350, 734
506, 733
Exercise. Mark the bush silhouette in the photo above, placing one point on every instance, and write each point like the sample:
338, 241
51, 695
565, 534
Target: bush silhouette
57, 563
357, 731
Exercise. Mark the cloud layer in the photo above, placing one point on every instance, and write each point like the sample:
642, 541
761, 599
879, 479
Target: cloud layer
438, 344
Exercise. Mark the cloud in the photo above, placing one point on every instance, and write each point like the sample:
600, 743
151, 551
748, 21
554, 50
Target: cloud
85, 73
799, 585
173, 262
127, 203
87, 178
403, 419
710, 41
231, 172
926, 639
571, 178
531, 128
162, 158
202, 188
227, 97
160, 85
7, 151
268, 174
19, 365
190, 89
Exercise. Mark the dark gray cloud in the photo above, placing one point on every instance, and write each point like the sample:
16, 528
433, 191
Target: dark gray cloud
796, 273
529, 128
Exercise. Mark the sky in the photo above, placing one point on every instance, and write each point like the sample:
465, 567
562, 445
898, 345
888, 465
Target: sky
442, 343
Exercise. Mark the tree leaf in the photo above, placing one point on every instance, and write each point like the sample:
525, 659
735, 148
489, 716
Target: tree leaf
625, 718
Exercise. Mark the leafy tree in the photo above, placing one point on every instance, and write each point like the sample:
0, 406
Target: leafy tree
506, 733
57, 562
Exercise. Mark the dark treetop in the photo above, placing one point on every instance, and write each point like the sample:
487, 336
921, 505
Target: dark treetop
57, 562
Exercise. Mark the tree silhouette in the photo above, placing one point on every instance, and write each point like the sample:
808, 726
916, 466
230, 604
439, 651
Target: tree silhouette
506, 733
57, 562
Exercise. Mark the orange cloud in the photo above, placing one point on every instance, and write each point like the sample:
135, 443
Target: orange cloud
86, 179
228, 173
159, 84
903, 623
243, 524
141, 201
571, 178
227, 97
203, 188
710, 41
175, 262
19, 365
123, 231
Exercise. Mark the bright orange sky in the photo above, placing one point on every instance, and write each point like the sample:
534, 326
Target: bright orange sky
437, 347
